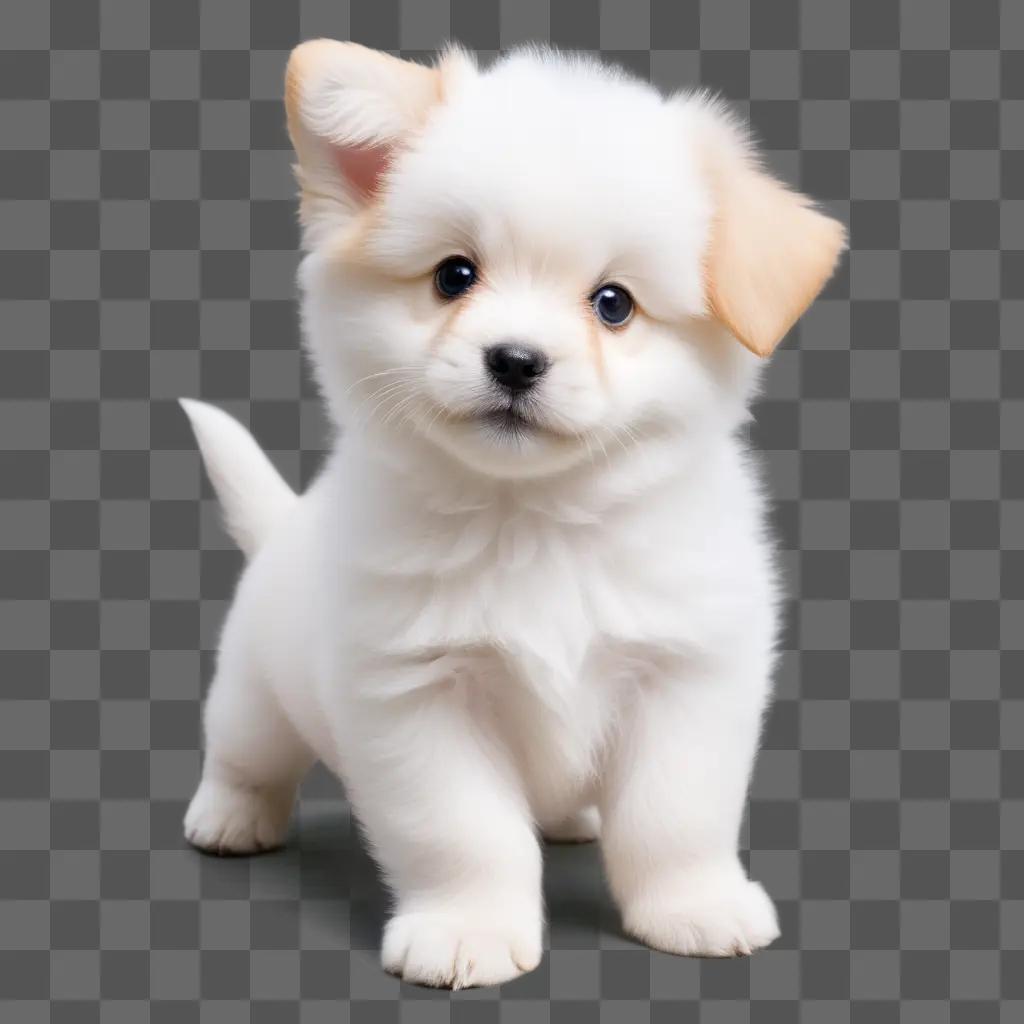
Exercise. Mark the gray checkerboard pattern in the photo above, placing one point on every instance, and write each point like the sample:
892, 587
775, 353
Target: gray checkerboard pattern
149, 243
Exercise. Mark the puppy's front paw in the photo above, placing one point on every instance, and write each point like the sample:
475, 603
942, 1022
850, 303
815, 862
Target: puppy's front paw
455, 950
704, 914
231, 819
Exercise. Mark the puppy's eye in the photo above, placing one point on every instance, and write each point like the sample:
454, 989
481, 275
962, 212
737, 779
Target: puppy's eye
454, 276
612, 304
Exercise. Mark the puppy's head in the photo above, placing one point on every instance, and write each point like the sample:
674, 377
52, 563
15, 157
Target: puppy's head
534, 262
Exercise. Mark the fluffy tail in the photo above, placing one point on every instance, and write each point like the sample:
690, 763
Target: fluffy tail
252, 493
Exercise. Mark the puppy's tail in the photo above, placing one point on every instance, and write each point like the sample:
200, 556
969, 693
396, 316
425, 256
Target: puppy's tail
252, 493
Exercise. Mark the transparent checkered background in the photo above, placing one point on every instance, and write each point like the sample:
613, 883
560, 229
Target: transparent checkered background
149, 243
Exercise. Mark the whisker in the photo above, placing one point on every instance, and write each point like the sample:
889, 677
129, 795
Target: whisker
403, 404
392, 393
383, 373
388, 389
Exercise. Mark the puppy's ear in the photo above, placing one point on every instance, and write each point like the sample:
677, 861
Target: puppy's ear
770, 251
349, 108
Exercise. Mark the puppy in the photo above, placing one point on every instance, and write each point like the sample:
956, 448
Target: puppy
531, 593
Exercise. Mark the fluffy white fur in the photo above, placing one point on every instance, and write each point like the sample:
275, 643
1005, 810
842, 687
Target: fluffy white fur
490, 637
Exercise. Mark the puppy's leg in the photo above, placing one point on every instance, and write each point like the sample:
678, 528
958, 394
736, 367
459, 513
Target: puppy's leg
671, 815
452, 831
254, 762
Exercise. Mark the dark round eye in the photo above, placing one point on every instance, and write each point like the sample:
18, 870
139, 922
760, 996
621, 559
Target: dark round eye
612, 304
454, 275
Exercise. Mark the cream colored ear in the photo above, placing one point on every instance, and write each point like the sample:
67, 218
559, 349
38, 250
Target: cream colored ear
770, 251
349, 107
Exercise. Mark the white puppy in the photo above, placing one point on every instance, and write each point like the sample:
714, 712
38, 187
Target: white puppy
531, 591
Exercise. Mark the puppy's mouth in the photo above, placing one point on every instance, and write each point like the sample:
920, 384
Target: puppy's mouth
512, 421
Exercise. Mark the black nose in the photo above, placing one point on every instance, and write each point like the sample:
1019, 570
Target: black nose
516, 367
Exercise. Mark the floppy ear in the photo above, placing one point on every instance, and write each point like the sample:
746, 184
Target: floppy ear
770, 251
349, 108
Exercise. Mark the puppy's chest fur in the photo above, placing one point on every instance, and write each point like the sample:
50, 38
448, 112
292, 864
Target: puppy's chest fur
546, 592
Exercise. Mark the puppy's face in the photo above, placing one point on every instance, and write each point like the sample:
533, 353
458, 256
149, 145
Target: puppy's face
525, 265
